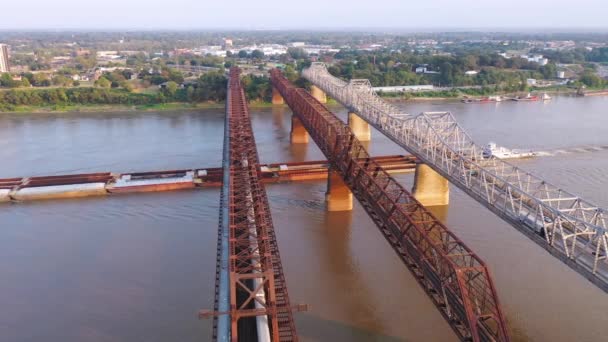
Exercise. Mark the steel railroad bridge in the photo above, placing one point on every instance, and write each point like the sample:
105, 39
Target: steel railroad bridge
455, 279
251, 300
567, 226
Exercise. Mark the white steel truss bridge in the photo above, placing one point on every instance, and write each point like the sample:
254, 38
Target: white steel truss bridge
570, 228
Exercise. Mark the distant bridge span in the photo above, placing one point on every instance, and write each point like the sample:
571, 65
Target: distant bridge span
570, 228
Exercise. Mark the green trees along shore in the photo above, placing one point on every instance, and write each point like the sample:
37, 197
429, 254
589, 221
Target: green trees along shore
210, 87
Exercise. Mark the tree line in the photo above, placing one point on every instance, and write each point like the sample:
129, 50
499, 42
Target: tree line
210, 87
389, 68
10, 99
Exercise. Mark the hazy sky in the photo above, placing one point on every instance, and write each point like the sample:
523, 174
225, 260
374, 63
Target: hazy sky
275, 14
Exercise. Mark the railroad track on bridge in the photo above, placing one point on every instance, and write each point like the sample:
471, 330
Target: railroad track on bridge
251, 296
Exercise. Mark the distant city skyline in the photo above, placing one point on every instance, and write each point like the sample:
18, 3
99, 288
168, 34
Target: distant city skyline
313, 14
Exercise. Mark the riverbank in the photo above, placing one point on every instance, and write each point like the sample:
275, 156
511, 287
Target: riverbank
111, 108
456, 95
173, 106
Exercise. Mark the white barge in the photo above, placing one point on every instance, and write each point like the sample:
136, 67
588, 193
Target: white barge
157, 181
59, 191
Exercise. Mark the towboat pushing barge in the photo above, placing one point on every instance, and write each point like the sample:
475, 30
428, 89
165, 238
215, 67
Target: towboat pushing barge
491, 150
494, 99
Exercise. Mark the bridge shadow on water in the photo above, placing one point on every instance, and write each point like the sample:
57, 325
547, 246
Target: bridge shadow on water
516, 333
356, 318
314, 328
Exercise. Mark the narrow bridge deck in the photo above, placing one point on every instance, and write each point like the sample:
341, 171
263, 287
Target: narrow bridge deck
570, 228
455, 279
251, 299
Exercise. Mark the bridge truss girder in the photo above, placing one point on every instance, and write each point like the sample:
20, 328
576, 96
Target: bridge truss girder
570, 228
455, 279
255, 284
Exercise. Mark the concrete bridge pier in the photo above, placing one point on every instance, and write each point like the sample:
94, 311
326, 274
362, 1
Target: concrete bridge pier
318, 94
430, 188
277, 99
338, 196
360, 127
298, 135
440, 212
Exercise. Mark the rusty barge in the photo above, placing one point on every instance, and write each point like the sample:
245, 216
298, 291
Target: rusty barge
104, 183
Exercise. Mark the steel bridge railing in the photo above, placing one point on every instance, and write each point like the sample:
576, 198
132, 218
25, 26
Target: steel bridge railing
570, 228
456, 280
255, 289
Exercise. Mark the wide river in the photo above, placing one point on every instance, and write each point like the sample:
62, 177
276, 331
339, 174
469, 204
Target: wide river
138, 267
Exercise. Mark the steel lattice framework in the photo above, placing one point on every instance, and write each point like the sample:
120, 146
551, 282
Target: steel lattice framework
455, 279
570, 228
255, 276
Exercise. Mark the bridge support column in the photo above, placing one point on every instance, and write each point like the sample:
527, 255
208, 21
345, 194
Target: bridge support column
277, 99
430, 188
360, 127
299, 135
440, 212
338, 196
318, 94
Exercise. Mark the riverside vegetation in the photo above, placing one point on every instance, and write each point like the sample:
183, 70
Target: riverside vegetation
497, 75
207, 90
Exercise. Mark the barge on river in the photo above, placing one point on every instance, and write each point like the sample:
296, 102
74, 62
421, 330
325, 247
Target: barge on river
104, 183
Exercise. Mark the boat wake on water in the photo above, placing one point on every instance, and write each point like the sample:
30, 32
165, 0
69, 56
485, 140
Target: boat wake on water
572, 150
504, 153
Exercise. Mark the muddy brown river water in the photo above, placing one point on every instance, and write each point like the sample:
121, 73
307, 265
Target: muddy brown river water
138, 267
